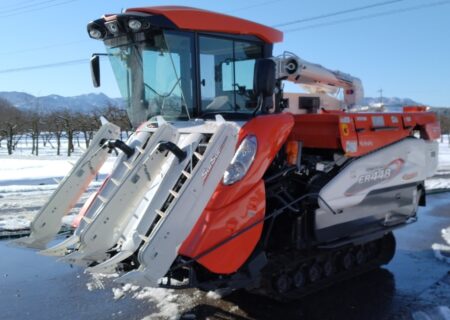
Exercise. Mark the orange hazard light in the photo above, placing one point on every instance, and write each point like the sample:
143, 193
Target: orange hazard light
292, 152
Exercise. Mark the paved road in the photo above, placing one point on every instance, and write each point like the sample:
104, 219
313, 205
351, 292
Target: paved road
37, 287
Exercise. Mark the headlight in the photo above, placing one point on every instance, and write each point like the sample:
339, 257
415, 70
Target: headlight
134, 25
242, 160
95, 33
113, 27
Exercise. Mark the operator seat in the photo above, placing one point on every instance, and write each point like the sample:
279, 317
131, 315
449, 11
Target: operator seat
219, 103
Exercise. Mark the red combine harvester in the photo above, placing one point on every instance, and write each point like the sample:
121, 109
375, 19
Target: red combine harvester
228, 182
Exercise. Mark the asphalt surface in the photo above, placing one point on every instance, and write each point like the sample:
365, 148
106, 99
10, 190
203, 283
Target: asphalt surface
415, 285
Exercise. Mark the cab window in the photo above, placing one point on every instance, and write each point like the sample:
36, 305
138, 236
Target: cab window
226, 75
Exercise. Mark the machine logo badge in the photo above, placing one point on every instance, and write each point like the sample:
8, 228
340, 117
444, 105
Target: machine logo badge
207, 170
366, 143
376, 176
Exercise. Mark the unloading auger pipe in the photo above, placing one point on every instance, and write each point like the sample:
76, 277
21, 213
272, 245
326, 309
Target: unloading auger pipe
292, 68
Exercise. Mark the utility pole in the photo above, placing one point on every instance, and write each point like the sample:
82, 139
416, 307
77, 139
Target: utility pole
381, 96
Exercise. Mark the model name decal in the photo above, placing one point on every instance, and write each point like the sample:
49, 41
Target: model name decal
375, 176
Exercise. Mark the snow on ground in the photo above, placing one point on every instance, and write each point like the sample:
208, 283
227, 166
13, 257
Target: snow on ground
441, 179
438, 313
27, 181
169, 303
442, 251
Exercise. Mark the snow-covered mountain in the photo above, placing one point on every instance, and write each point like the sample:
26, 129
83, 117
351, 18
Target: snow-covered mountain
87, 102
81, 103
394, 101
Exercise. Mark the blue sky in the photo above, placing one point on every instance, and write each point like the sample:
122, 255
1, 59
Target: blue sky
406, 53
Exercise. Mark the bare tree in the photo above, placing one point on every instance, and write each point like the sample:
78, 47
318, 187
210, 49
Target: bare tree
445, 126
11, 124
35, 125
55, 125
87, 124
117, 116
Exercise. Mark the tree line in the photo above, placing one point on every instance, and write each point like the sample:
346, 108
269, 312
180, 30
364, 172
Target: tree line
44, 126
444, 120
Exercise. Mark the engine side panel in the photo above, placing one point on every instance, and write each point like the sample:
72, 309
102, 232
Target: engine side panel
233, 207
380, 188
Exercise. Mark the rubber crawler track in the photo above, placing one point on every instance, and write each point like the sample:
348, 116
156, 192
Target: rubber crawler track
291, 276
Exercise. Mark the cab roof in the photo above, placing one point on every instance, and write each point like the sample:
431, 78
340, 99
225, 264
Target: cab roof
203, 20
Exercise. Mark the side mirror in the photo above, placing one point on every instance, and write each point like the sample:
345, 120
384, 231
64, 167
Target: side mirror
264, 77
95, 70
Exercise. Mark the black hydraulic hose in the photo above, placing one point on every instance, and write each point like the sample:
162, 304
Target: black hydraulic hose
117, 144
172, 147
280, 174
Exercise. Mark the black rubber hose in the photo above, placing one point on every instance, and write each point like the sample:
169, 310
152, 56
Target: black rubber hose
172, 147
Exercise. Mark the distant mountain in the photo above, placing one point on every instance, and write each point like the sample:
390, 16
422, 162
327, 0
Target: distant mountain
392, 102
81, 103
87, 102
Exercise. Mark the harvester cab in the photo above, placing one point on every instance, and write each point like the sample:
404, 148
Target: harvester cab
228, 182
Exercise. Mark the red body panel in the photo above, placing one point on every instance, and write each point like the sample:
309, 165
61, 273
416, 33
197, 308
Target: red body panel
233, 207
317, 131
357, 134
202, 20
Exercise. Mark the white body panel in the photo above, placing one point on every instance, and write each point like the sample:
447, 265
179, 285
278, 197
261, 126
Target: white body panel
151, 201
405, 162
103, 232
161, 247
47, 222
379, 188
121, 169
140, 222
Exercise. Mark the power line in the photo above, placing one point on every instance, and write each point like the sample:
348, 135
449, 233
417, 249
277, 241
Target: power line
332, 14
43, 48
26, 6
36, 9
45, 66
370, 16
253, 6
80, 61
18, 3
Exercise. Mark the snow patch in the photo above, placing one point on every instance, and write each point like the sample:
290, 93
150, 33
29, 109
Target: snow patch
14, 223
446, 235
118, 293
169, 304
234, 309
442, 251
98, 280
438, 313
165, 301
215, 295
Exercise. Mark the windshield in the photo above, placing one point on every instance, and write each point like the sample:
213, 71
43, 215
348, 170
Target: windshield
154, 76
